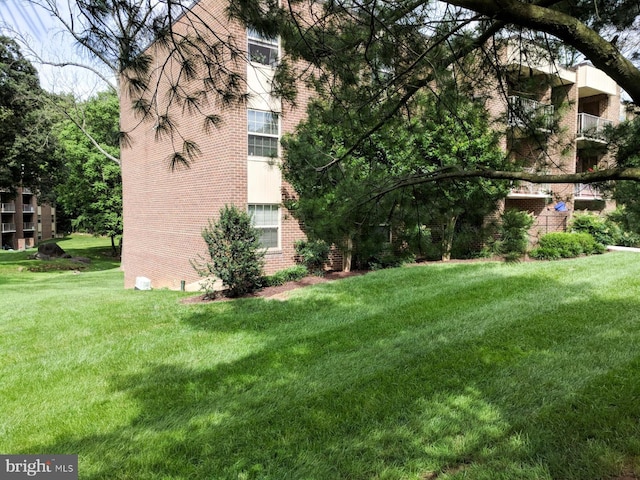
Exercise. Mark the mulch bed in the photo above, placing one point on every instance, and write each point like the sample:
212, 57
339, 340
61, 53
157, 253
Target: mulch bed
280, 292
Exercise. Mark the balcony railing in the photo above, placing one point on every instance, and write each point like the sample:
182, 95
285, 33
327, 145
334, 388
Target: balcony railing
28, 209
591, 126
7, 207
528, 189
586, 191
28, 226
8, 227
524, 112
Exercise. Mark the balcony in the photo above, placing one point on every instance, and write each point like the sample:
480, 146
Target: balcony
28, 226
531, 190
7, 208
586, 192
8, 227
591, 127
524, 112
26, 191
28, 209
592, 81
529, 57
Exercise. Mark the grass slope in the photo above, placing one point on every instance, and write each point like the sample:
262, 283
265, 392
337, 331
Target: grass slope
483, 371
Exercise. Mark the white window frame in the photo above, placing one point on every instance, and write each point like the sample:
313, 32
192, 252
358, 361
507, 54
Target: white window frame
256, 41
260, 224
262, 125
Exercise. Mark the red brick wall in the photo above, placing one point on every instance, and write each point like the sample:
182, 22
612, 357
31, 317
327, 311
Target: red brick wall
46, 222
165, 211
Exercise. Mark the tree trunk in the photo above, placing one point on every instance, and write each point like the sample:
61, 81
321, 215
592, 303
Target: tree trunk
447, 237
347, 255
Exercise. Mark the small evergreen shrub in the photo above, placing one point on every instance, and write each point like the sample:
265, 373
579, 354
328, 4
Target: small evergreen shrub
514, 234
290, 274
556, 245
313, 254
235, 252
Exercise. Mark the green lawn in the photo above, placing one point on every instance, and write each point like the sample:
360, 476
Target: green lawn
481, 371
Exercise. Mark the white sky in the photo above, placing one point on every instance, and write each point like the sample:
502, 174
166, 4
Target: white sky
46, 39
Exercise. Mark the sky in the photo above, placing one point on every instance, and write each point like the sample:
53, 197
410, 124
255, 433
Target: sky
25, 18
45, 38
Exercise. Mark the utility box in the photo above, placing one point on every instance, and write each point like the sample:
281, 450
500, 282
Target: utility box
143, 283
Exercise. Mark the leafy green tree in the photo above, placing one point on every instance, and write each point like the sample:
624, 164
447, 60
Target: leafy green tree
91, 193
28, 151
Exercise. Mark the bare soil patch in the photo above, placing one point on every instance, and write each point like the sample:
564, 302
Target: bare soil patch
281, 292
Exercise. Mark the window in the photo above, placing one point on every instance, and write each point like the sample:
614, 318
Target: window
263, 50
266, 218
263, 133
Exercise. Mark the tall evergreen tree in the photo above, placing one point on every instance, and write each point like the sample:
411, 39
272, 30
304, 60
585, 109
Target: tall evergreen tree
347, 205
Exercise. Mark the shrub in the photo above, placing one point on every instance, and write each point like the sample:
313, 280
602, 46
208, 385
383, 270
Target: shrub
417, 239
627, 223
235, 252
468, 240
290, 274
553, 246
389, 259
603, 230
629, 239
545, 253
313, 254
514, 234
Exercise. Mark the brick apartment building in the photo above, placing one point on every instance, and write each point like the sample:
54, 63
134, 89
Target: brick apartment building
25, 222
165, 211
553, 119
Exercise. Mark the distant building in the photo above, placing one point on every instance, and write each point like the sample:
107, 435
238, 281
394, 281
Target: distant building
25, 222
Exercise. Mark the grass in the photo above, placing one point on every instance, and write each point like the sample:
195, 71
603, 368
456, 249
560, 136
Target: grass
482, 371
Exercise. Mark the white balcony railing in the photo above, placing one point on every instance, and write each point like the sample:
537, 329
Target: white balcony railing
524, 112
8, 227
28, 209
586, 191
591, 126
528, 189
28, 226
7, 207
